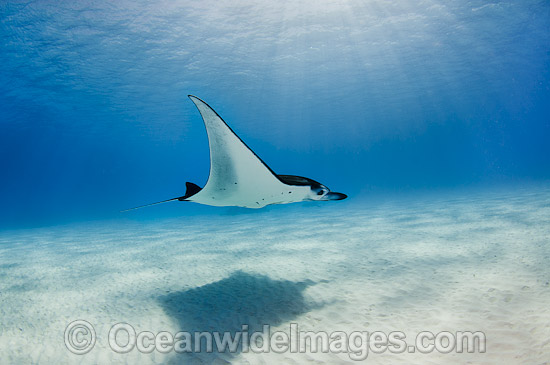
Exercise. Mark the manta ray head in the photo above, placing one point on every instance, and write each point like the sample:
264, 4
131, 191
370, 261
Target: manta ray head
321, 192
317, 191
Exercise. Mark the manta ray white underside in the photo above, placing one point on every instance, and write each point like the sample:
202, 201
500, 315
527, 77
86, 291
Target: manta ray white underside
238, 177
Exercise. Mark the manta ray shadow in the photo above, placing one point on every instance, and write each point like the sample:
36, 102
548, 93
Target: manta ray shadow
226, 305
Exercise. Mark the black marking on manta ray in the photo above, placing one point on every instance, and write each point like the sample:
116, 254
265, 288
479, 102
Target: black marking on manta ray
232, 131
298, 180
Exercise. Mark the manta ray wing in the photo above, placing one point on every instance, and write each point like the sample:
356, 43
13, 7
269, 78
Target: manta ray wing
238, 176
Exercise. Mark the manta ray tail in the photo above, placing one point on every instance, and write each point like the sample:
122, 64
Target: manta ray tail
148, 205
192, 189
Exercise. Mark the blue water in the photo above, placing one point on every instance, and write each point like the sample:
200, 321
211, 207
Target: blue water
367, 97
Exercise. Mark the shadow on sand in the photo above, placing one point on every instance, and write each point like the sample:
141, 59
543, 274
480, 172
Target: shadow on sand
228, 304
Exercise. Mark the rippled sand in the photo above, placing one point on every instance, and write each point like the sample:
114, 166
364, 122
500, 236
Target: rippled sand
459, 262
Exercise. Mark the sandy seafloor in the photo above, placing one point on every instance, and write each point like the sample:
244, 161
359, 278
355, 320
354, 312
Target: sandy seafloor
453, 262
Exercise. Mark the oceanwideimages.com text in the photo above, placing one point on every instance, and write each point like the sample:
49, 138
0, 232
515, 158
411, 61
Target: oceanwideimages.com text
123, 338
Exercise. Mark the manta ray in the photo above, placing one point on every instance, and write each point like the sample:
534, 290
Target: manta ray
238, 177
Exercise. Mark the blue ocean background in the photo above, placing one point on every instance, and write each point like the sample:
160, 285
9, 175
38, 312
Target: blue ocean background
371, 98
433, 116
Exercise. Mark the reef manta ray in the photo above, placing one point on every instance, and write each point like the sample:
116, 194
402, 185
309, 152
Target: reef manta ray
238, 177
